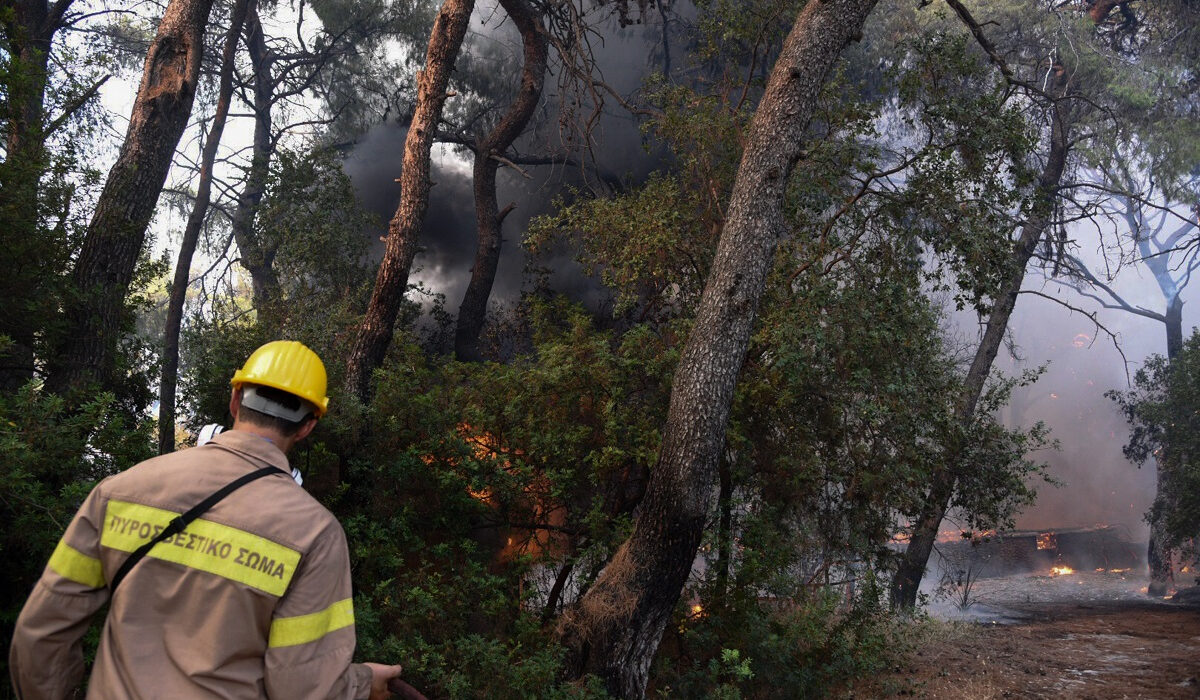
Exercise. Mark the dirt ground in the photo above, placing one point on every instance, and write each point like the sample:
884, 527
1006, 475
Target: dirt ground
1129, 647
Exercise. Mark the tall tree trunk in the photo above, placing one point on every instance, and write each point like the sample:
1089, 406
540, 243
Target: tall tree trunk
258, 256
912, 565
375, 331
191, 235
1158, 553
473, 310
97, 317
615, 629
28, 263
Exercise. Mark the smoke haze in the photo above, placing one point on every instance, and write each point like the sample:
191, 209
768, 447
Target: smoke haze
1099, 486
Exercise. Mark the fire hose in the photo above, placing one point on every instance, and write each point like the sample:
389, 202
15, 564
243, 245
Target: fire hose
404, 691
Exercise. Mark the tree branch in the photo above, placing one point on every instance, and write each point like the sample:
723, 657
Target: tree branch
1093, 317
74, 105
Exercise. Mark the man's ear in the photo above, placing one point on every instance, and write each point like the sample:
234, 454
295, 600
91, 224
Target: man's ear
309, 424
235, 402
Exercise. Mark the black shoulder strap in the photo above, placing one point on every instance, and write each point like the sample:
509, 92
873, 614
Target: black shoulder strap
177, 525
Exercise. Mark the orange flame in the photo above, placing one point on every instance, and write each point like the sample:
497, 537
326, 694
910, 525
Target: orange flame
1061, 570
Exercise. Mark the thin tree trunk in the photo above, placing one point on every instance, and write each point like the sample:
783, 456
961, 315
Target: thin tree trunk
191, 236
614, 631
1158, 554
375, 331
257, 256
912, 565
473, 310
28, 262
97, 317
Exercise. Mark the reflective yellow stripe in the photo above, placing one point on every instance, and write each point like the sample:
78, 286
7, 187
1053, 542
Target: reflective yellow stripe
72, 564
290, 631
218, 549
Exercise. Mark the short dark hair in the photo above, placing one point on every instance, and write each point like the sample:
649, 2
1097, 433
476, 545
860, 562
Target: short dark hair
280, 425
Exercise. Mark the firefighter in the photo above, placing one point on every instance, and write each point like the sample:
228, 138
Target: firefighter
251, 599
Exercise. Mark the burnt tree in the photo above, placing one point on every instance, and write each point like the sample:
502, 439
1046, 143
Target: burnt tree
400, 247
488, 217
96, 315
615, 629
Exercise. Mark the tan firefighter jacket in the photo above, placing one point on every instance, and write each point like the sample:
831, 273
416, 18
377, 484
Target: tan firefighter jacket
251, 601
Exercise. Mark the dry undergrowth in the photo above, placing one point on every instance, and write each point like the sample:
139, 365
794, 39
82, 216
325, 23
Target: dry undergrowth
1110, 649
608, 605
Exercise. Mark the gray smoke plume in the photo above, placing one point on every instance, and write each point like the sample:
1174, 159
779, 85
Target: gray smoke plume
1099, 485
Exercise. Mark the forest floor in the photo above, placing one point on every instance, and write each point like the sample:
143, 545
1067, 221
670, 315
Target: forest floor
1084, 636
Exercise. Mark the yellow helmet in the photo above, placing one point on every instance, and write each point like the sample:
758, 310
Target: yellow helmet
288, 366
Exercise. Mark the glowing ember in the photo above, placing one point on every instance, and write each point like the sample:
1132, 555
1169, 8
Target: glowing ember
1081, 339
1046, 540
1061, 570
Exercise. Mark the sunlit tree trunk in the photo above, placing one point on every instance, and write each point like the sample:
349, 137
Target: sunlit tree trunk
191, 236
97, 317
615, 629
912, 565
488, 218
375, 332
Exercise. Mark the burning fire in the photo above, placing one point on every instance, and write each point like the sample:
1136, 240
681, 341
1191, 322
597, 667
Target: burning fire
1046, 540
1061, 570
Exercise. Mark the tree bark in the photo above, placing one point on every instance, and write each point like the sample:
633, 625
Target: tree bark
912, 565
488, 218
191, 236
375, 332
29, 265
615, 629
1158, 554
257, 256
96, 316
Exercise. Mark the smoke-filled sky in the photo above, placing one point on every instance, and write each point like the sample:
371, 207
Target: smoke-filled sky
1099, 486
448, 238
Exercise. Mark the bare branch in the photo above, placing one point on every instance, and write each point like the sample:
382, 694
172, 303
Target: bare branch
1093, 317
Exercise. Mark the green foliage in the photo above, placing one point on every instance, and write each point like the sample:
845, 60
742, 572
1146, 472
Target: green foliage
1163, 410
51, 457
45, 186
311, 217
997, 475
800, 646
463, 488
